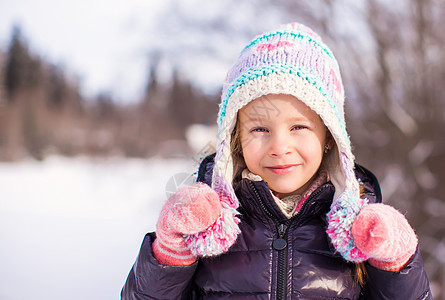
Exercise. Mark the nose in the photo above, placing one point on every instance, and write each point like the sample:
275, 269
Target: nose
279, 145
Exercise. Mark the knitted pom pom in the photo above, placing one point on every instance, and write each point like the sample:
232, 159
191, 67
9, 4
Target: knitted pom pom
340, 218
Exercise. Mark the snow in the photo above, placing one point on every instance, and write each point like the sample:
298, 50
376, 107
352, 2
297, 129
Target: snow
72, 228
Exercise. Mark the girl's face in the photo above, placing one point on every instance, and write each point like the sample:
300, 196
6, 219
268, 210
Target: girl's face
283, 145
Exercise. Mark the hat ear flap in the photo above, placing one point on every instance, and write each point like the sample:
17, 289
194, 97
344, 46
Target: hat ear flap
219, 237
345, 207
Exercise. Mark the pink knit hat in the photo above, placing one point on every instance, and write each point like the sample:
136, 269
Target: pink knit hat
291, 60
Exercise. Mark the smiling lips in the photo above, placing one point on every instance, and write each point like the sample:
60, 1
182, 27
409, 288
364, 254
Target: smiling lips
282, 169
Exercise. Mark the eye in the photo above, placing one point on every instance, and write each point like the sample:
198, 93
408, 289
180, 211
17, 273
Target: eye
298, 127
259, 129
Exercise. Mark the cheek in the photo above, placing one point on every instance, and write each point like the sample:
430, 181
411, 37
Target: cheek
312, 149
251, 149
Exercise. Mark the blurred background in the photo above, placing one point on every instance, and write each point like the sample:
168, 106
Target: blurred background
105, 105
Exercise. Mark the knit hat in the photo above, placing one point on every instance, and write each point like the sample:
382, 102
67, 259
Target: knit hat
292, 60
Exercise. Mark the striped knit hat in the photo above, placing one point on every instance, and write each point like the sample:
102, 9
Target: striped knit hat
291, 60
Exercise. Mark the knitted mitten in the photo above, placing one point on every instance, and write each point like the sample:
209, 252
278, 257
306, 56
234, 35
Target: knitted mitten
384, 235
190, 210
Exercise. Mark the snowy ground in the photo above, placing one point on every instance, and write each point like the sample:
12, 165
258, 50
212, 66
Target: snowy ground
71, 228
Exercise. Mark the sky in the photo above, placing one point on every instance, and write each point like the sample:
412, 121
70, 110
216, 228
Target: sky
99, 41
95, 40
107, 44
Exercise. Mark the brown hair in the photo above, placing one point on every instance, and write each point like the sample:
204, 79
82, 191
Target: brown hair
360, 270
236, 150
360, 274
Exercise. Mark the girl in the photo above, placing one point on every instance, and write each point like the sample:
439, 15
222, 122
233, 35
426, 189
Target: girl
280, 211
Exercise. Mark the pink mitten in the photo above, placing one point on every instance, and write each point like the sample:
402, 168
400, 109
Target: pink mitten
190, 210
384, 235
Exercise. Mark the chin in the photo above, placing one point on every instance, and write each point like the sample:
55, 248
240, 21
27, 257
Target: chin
286, 189
279, 191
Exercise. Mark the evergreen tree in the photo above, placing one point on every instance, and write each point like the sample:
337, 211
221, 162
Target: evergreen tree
22, 70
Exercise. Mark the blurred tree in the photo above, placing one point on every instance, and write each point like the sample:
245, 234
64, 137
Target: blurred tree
57, 87
23, 74
410, 112
3, 103
188, 105
44, 111
22, 70
169, 108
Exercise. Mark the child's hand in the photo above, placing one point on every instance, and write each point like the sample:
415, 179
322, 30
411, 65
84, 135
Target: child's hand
190, 210
384, 235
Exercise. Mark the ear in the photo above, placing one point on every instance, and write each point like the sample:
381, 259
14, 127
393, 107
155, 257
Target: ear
329, 142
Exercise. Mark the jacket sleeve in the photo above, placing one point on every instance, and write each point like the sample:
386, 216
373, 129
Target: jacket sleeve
410, 283
150, 280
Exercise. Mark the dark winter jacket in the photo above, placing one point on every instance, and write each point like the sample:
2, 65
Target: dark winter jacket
275, 258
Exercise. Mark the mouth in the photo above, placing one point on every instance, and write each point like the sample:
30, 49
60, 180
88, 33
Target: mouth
282, 169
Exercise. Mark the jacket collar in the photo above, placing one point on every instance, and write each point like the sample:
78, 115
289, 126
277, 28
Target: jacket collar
255, 197
319, 203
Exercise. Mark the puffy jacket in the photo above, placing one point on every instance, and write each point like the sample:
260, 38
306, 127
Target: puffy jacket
275, 257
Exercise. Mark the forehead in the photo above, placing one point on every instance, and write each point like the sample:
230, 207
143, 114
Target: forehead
280, 107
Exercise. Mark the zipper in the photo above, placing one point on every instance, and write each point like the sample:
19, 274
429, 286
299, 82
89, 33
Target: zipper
280, 244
